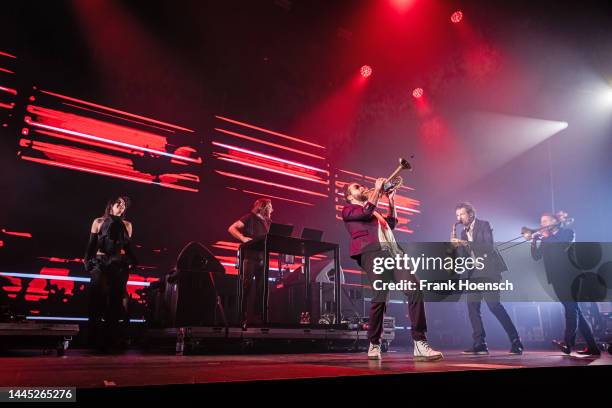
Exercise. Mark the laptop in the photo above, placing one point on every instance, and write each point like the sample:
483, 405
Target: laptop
312, 234
284, 230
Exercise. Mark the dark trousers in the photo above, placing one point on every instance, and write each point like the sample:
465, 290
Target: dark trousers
474, 300
574, 320
416, 307
107, 292
252, 291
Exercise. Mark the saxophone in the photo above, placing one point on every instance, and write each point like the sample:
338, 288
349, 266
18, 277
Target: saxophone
454, 231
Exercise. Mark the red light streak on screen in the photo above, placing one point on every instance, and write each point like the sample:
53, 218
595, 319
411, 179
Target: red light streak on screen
7, 105
400, 208
268, 164
36, 290
68, 286
105, 132
100, 163
269, 183
277, 197
74, 156
17, 233
60, 260
101, 134
233, 246
8, 90
88, 142
106, 173
291, 163
273, 169
8, 71
353, 271
85, 169
295, 139
133, 289
131, 115
289, 149
15, 285
118, 117
6, 54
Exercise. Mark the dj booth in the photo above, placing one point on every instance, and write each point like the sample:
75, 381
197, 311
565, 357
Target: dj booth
270, 243
199, 305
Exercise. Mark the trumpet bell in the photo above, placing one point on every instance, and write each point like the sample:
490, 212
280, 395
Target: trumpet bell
405, 164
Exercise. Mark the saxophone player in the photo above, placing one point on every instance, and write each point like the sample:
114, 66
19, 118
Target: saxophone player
477, 241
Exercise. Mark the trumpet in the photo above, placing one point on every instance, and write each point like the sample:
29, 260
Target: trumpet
395, 181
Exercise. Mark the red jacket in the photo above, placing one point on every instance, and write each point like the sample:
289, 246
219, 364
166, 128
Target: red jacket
362, 225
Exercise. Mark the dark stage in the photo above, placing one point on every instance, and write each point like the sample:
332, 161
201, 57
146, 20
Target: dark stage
150, 374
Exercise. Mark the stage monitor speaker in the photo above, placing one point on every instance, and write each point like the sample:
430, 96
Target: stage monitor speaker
192, 291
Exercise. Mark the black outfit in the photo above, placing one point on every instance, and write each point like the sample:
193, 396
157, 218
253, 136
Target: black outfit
362, 225
109, 275
252, 271
482, 246
553, 250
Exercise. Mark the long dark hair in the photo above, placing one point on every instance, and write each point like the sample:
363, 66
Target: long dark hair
113, 201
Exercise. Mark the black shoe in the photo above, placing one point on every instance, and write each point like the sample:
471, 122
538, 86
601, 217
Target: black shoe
564, 347
479, 349
516, 348
589, 351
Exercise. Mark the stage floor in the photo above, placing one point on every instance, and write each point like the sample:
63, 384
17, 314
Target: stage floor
135, 369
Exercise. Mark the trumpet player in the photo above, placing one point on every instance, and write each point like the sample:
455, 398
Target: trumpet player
477, 241
372, 237
554, 239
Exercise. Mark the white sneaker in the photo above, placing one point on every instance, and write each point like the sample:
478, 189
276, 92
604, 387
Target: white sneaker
424, 352
374, 352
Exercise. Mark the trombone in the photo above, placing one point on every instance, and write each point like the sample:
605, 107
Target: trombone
528, 233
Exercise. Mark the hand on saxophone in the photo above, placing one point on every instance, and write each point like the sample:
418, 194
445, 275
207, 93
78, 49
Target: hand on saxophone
456, 242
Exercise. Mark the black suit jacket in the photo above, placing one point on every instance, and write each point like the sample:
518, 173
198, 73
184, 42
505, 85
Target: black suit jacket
483, 246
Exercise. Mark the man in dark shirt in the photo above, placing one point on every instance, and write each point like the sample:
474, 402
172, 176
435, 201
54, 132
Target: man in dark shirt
252, 225
555, 241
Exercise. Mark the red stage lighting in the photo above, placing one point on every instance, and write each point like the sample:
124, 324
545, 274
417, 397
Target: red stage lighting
366, 71
418, 93
456, 17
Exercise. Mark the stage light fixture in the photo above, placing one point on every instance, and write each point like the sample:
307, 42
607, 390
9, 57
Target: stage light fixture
418, 93
606, 98
366, 71
456, 17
